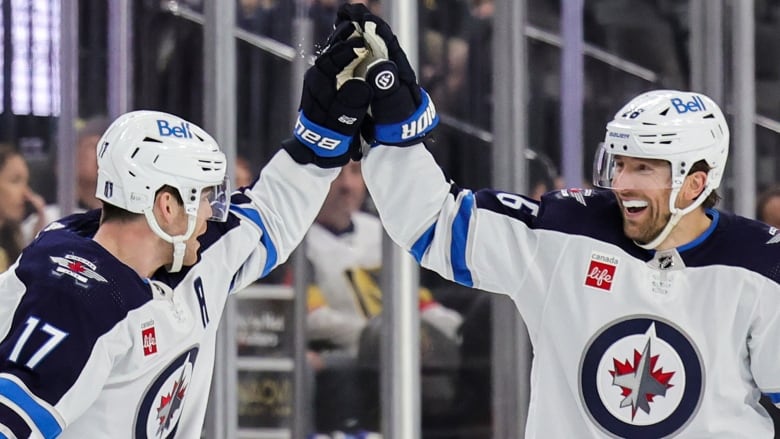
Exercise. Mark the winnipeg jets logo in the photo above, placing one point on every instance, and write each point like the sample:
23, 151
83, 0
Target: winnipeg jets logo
160, 411
640, 382
170, 403
641, 377
577, 194
76, 267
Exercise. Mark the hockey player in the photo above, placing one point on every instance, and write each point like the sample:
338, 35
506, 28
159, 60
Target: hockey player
108, 320
651, 313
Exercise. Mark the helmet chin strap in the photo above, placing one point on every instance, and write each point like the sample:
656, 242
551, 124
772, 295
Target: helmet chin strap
677, 215
179, 241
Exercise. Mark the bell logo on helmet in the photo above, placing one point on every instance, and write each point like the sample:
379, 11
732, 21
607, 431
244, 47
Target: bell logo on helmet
694, 105
180, 131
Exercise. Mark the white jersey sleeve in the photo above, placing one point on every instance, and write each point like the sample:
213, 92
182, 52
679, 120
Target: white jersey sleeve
280, 207
445, 231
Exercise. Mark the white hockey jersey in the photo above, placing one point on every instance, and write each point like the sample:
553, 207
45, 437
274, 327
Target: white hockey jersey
91, 350
627, 342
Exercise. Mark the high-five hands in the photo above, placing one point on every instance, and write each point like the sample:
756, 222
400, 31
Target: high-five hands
333, 103
401, 112
363, 71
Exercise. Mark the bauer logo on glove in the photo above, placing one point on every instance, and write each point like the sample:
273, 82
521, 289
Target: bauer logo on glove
324, 139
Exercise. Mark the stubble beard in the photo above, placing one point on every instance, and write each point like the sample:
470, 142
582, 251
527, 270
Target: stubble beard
646, 230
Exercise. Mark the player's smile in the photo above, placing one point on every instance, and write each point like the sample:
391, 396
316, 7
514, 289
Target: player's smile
643, 219
634, 208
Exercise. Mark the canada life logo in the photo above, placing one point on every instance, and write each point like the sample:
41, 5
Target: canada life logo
601, 271
149, 338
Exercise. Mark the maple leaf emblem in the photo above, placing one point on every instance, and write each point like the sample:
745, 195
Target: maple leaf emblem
169, 404
76, 266
640, 382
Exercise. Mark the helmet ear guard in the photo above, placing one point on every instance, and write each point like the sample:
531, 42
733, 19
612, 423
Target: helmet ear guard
681, 128
143, 151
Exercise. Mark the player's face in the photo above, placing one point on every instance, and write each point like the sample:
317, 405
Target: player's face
204, 212
348, 191
643, 187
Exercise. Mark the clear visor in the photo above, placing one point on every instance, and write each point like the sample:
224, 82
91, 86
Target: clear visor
217, 197
615, 171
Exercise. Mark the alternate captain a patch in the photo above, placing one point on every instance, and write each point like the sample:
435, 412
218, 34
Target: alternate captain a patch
641, 376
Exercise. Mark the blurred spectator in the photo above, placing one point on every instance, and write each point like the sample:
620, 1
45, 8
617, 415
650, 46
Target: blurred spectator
15, 195
373, 5
323, 15
768, 207
344, 248
243, 172
88, 134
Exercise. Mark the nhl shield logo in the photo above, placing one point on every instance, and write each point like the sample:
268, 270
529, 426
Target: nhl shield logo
641, 377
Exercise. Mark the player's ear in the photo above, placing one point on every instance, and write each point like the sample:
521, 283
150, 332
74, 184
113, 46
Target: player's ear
693, 185
166, 208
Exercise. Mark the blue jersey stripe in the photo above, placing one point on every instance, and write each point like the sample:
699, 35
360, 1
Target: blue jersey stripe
270, 248
715, 216
423, 243
43, 419
774, 397
460, 232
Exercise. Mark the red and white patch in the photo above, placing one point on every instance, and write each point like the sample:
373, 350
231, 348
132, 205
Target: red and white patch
80, 269
149, 338
578, 194
601, 271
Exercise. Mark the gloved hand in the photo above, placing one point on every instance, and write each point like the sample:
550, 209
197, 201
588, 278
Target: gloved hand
401, 112
333, 104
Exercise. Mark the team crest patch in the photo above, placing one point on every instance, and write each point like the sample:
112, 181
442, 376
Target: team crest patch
149, 338
601, 271
641, 377
577, 194
160, 410
76, 267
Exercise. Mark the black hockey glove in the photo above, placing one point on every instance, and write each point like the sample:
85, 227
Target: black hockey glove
333, 104
401, 111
